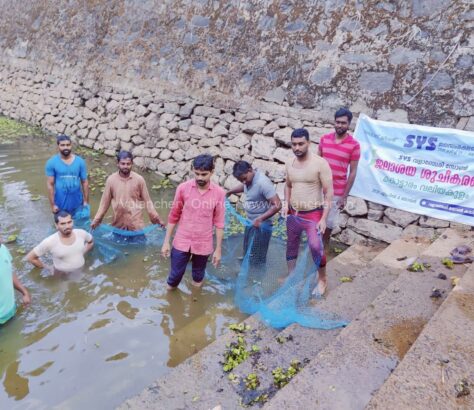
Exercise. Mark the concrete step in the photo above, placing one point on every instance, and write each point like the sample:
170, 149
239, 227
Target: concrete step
303, 344
352, 367
200, 383
432, 371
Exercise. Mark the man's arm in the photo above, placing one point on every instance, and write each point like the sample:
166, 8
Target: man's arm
89, 244
104, 205
50, 185
328, 193
287, 197
26, 299
275, 207
217, 256
166, 248
237, 190
150, 208
85, 190
34, 259
350, 181
173, 219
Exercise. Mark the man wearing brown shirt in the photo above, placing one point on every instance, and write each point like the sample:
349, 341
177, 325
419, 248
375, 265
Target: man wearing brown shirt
308, 195
127, 192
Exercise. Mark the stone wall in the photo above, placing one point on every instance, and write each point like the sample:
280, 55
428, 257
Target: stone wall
371, 55
166, 131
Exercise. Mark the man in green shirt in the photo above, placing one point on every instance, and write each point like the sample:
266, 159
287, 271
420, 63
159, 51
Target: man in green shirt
8, 282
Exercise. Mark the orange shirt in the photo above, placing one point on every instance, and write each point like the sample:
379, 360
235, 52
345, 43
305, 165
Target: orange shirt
129, 196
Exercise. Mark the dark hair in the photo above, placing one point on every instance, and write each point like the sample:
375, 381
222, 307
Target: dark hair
203, 162
60, 214
343, 112
124, 155
62, 137
300, 133
241, 168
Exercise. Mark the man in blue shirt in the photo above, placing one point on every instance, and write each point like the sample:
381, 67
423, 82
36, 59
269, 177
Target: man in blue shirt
8, 282
68, 188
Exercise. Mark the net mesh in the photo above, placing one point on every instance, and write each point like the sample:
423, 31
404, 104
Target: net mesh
269, 277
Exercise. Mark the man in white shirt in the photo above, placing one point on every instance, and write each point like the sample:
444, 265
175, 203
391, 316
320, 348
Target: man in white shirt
67, 246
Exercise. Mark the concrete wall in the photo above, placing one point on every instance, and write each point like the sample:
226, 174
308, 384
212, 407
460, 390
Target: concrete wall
370, 55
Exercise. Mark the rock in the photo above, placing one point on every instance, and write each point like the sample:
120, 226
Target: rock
93, 134
276, 172
374, 214
125, 135
130, 105
166, 167
283, 136
270, 128
252, 115
146, 100
263, 147
232, 153
172, 108
121, 121
227, 117
186, 110
239, 141
112, 106
266, 116
282, 155
231, 182
377, 82
206, 111
374, 205
219, 130
192, 153
137, 140
178, 155
110, 135
415, 231
401, 218
355, 206
198, 120
349, 237
375, 230
253, 126
209, 142
141, 110
396, 116
197, 131
184, 124
92, 104
276, 95
428, 222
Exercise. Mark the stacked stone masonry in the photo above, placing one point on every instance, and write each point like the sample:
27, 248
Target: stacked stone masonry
165, 133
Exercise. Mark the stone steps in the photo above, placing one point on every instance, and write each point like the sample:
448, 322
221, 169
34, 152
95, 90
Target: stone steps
441, 357
199, 381
351, 368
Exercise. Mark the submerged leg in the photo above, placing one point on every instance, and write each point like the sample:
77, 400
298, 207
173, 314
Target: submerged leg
179, 260
199, 263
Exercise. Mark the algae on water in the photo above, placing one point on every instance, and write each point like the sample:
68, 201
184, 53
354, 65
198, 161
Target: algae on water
11, 129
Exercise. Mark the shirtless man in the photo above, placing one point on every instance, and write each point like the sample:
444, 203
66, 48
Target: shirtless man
308, 196
67, 246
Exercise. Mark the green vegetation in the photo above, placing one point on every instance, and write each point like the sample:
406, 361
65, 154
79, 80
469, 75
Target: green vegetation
239, 327
252, 382
235, 354
163, 184
281, 377
418, 267
448, 263
11, 129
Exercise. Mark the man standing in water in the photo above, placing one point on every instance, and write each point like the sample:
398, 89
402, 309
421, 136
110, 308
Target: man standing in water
261, 203
127, 192
198, 207
68, 188
342, 152
67, 246
8, 282
308, 196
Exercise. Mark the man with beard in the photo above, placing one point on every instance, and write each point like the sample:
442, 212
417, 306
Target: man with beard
342, 152
127, 192
67, 246
308, 195
68, 188
198, 207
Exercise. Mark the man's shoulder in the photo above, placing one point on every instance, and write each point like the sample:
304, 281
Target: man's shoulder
263, 179
52, 160
352, 140
327, 136
81, 232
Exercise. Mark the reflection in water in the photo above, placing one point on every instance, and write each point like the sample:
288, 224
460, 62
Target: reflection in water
106, 332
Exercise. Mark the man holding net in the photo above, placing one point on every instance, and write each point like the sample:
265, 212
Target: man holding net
308, 196
127, 192
261, 203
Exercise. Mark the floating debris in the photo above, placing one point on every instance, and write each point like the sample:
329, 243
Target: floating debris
462, 388
346, 279
402, 258
11, 238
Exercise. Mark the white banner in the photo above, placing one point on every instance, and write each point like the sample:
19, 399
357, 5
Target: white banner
425, 170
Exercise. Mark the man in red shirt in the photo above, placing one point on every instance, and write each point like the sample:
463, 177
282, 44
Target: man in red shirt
342, 152
198, 207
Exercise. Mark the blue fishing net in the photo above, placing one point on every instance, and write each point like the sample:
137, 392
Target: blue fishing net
277, 283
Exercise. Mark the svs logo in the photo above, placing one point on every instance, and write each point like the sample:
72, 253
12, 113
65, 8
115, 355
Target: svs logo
421, 141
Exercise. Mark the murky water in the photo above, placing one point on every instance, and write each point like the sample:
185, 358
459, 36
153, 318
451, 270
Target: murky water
93, 339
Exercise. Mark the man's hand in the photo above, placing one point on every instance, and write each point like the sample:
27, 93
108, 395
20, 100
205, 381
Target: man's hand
257, 223
26, 299
216, 258
95, 223
155, 219
322, 226
341, 202
55, 209
165, 250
